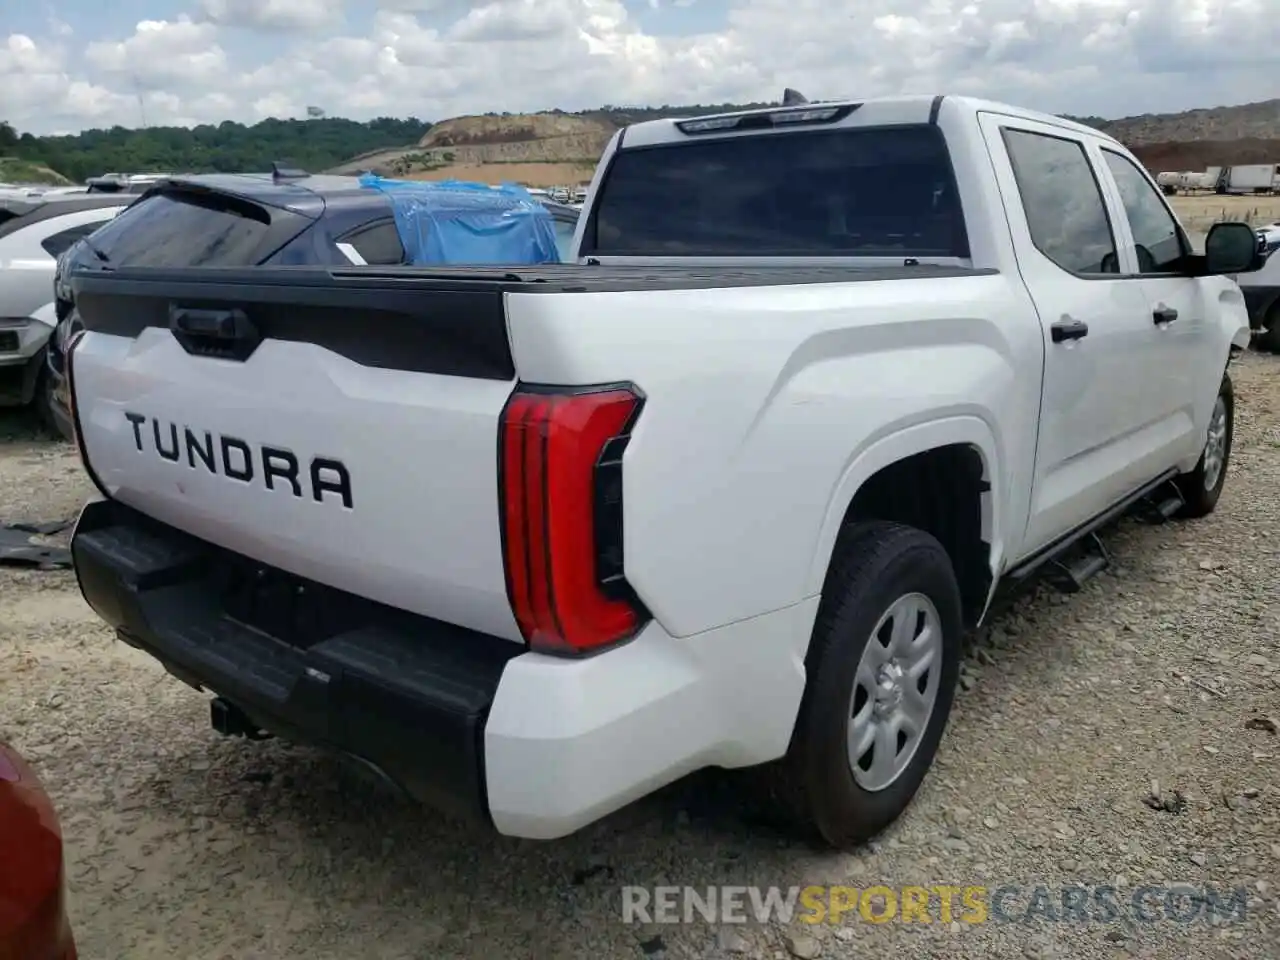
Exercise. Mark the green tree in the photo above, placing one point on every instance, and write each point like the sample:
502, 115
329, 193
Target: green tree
314, 145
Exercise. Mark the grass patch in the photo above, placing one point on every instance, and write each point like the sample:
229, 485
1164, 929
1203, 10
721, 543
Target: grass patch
13, 170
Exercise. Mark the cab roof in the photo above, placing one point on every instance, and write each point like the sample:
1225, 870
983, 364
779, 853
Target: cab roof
916, 109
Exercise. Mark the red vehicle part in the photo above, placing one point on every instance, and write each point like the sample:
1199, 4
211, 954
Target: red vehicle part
33, 917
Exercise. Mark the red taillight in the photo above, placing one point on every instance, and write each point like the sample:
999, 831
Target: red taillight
562, 516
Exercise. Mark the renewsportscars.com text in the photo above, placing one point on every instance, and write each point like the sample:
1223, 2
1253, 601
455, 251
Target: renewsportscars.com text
939, 903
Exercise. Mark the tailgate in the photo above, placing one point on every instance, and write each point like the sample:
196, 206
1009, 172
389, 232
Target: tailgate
342, 428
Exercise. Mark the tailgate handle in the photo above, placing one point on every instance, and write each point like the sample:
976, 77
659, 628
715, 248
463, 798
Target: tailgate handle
227, 332
209, 324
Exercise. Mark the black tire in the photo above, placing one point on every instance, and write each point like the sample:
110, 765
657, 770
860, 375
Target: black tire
874, 565
43, 402
1269, 339
1201, 499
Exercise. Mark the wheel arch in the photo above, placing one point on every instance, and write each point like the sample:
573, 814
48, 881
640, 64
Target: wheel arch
897, 478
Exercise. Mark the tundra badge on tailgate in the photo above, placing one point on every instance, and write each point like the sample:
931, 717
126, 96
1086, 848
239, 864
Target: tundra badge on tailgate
236, 459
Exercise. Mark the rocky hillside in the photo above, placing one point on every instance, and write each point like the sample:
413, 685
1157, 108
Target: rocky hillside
1201, 154
550, 138
1192, 140
538, 138
1246, 121
1195, 139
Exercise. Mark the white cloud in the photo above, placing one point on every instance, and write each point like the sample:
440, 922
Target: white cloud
450, 7
181, 56
515, 20
440, 58
38, 85
273, 15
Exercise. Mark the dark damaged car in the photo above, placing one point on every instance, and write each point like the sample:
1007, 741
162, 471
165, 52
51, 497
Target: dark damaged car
283, 218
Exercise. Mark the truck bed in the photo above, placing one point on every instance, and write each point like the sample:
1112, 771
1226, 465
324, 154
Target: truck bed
443, 321
342, 425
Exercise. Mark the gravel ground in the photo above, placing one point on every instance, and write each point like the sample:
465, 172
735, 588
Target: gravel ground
181, 844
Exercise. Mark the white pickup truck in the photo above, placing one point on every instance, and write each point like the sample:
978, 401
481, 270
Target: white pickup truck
533, 542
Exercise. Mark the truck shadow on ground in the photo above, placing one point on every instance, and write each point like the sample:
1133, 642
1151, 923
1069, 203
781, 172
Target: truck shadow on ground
279, 815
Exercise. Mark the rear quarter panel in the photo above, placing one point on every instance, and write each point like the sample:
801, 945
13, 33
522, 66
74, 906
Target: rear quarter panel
767, 407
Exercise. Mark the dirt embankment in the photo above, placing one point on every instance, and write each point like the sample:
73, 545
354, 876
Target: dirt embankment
1200, 154
529, 174
541, 149
542, 144
1195, 139
529, 138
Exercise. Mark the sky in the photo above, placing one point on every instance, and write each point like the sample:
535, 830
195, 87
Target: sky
67, 65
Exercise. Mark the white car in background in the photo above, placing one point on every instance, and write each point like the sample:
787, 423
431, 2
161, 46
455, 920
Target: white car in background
33, 233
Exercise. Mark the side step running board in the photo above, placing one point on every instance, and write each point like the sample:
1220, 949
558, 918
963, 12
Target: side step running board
1081, 555
1160, 505
1087, 559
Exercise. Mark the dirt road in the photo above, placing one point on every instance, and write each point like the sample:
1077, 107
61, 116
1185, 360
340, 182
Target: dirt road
185, 845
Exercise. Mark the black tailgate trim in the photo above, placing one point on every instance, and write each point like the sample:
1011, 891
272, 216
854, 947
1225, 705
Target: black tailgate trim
393, 324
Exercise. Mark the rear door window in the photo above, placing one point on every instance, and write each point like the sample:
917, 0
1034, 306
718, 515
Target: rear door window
1063, 202
186, 229
876, 191
378, 243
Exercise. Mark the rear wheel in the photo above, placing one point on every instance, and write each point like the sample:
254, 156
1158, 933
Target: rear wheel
1269, 339
1202, 487
882, 669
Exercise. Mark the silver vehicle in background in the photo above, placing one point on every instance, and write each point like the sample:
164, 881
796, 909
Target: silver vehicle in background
33, 233
123, 182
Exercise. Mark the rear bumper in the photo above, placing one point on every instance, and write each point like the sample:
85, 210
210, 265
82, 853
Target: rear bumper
537, 746
406, 695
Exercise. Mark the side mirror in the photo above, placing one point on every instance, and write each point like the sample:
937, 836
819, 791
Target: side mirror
1231, 248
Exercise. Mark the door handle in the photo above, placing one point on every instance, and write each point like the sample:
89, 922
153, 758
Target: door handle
1064, 330
1164, 315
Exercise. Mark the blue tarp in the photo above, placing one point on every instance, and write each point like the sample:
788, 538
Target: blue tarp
456, 222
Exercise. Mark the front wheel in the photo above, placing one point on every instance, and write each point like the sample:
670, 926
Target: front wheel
882, 669
1202, 487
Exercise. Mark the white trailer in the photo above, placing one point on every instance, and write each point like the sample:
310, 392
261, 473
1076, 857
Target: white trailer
1250, 178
